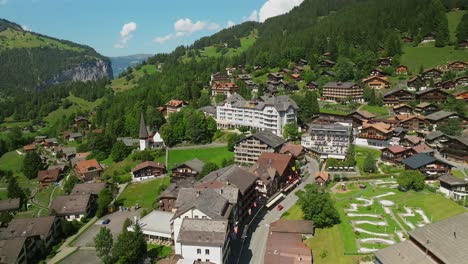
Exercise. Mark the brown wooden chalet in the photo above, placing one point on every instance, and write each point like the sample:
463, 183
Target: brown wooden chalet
376, 131
402, 109
276, 77
187, 171
455, 149
298, 69
285, 71
407, 39
457, 66
446, 85
48, 177
432, 74
376, 82
432, 95
415, 82
81, 121
427, 164
411, 141
429, 37
462, 96
174, 106
426, 108
301, 62
377, 72
394, 154
411, 122
385, 62
327, 63
147, 170
312, 85
462, 81
401, 69
297, 77
225, 88
463, 44
397, 97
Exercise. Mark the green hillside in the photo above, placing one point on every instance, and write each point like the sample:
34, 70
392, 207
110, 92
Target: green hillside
16, 39
430, 56
454, 18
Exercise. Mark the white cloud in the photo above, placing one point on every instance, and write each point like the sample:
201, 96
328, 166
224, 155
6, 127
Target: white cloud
253, 16
3, 2
230, 23
25, 28
276, 7
186, 27
125, 35
162, 40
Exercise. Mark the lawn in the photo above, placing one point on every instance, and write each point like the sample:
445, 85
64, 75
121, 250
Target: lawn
14, 162
454, 18
379, 111
43, 196
121, 84
430, 56
458, 174
158, 251
215, 155
78, 104
16, 39
330, 245
144, 194
362, 152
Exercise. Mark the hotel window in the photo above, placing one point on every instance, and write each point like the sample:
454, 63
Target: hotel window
207, 252
198, 250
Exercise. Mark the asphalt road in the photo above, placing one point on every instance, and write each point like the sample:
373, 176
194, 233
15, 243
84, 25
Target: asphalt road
255, 245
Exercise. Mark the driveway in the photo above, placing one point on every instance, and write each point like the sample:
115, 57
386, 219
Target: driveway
83, 256
255, 245
117, 219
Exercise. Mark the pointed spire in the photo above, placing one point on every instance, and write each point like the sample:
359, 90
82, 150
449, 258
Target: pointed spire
143, 129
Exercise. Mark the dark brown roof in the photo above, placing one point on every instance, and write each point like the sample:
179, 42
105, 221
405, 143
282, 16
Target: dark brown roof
286, 248
9, 205
234, 174
294, 149
146, 164
396, 149
28, 227
278, 161
452, 180
88, 188
10, 249
303, 227
71, 204
49, 175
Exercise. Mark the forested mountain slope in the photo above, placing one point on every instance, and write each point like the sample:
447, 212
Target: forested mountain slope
352, 31
32, 61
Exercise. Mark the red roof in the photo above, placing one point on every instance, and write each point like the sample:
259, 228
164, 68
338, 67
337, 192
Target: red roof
176, 103
421, 148
151, 164
396, 149
29, 147
87, 165
279, 162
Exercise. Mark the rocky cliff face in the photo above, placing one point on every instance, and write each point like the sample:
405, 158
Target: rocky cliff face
89, 71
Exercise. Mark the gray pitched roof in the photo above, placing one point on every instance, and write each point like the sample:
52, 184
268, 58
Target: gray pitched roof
10, 204
207, 201
10, 249
269, 138
405, 252
143, 134
194, 164
208, 109
439, 115
234, 174
452, 180
71, 204
344, 85
88, 188
203, 232
419, 160
433, 135
280, 103
447, 239
27, 227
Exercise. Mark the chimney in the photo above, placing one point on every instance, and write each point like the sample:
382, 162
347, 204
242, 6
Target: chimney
455, 235
198, 193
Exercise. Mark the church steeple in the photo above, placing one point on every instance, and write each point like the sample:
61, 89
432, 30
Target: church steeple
143, 130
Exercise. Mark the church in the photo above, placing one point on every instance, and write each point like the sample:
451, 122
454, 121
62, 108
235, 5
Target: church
149, 139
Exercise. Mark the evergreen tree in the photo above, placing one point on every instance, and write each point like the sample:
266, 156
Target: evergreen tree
291, 131
69, 183
393, 45
369, 164
32, 164
442, 32
120, 151
15, 191
103, 243
104, 199
318, 207
462, 29
130, 247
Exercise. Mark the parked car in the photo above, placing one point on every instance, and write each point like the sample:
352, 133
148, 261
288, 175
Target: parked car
106, 221
280, 207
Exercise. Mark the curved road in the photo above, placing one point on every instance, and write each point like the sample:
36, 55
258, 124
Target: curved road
254, 251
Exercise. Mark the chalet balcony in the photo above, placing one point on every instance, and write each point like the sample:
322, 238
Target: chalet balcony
368, 136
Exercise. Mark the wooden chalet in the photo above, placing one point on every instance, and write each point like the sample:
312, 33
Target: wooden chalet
224, 88
427, 164
455, 149
81, 121
426, 108
174, 106
297, 77
462, 81
432, 95
297, 69
276, 77
402, 109
376, 82
457, 66
432, 74
397, 97
462, 96
447, 85
411, 122
377, 72
88, 170
301, 63
148, 170
327, 63
415, 82
394, 154
48, 177
322, 178
385, 62
407, 39
429, 37
312, 85
401, 69
187, 171
377, 131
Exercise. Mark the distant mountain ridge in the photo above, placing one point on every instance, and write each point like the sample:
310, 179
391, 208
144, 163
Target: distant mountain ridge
121, 63
32, 61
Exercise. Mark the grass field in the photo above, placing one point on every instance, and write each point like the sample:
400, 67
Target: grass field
143, 194
78, 104
215, 155
430, 56
43, 196
379, 111
14, 162
361, 154
329, 245
458, 174
16, 39
454, 18
121, 84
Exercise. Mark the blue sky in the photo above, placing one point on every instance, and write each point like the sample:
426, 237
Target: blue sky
117, 27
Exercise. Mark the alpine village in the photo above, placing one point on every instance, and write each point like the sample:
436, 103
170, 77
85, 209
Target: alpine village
334, 133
